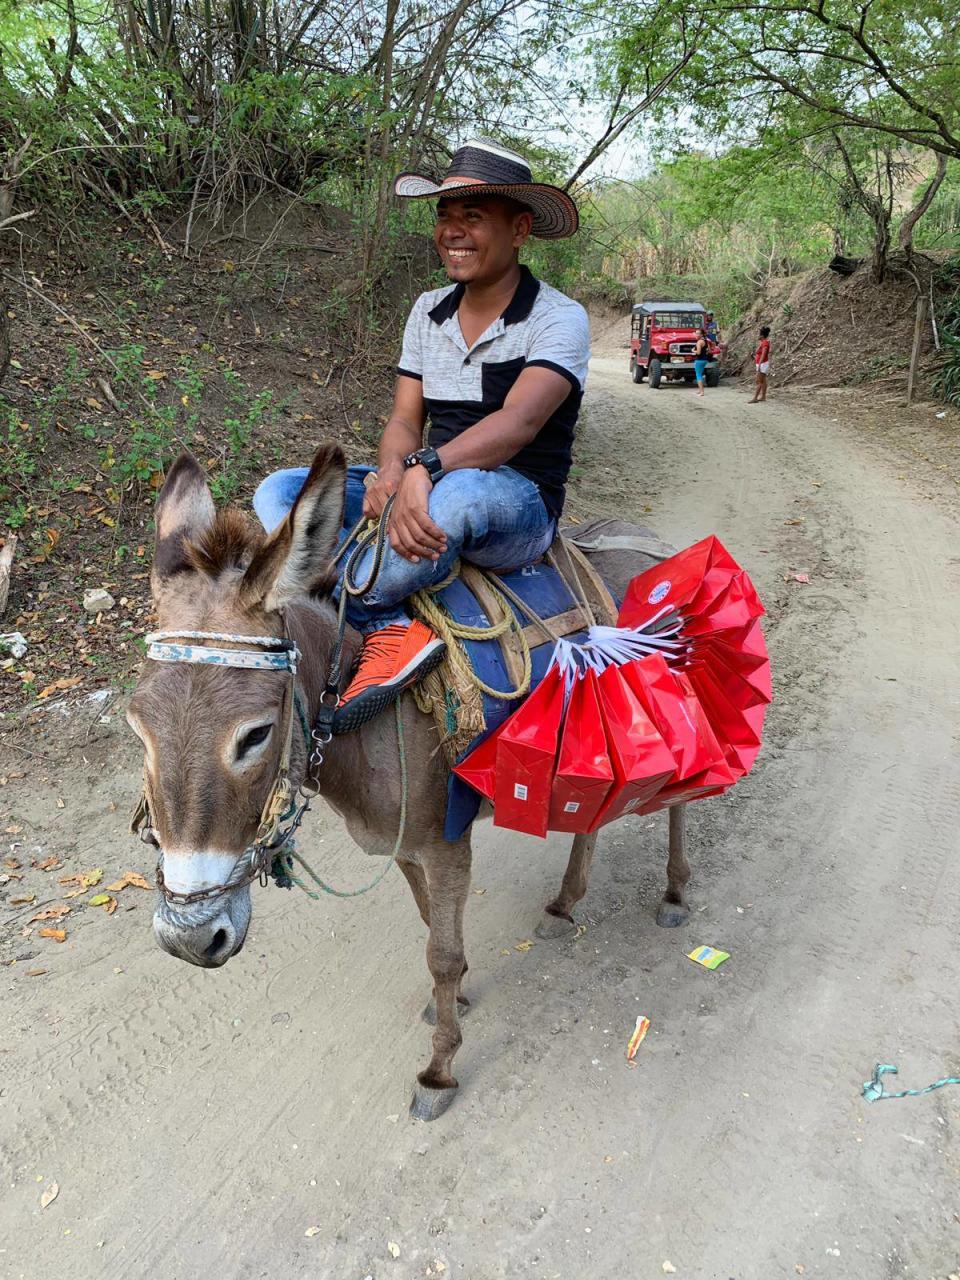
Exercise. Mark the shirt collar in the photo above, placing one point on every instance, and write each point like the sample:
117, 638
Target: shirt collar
517, 309
521, 304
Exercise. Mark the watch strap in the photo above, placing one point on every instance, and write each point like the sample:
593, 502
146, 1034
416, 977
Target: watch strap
428, 458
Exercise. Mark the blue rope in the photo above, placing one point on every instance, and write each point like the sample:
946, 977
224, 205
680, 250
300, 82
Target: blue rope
874, 1091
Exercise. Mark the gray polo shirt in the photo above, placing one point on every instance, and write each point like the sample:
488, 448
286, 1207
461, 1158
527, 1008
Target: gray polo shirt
541, 327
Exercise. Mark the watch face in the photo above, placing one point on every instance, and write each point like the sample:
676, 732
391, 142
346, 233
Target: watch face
426, 458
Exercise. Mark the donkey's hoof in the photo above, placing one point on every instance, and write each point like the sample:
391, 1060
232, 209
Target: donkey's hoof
670, 915
430, 1104
552, 927
429, 1015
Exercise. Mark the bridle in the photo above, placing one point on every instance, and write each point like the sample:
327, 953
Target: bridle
283, 805
285, 808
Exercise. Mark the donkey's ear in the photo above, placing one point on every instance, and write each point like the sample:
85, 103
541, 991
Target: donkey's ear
184, 510
297, 557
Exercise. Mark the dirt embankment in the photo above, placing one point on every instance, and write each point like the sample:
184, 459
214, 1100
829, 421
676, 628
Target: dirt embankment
830, 330
248, 349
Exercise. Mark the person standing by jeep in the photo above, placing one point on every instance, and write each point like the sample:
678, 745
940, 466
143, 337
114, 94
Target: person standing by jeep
701, 358
761, 358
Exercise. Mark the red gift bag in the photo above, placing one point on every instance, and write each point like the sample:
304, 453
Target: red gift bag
738, 729
686, 582
712, 782
736, 606
739, 688
676, 711
526, 755
641, 760
584, 773
479, 768
743, 651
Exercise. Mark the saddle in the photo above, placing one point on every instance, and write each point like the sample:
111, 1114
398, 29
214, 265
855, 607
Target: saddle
500, 631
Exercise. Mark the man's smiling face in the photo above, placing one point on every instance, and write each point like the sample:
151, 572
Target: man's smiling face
478, 238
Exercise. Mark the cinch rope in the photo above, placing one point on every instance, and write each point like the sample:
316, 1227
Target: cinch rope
453, 692
446, 627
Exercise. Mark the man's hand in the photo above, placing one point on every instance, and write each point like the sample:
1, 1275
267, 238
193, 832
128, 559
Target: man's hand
386, 484
412, 533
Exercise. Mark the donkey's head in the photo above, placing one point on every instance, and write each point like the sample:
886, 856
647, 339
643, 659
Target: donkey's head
212, 734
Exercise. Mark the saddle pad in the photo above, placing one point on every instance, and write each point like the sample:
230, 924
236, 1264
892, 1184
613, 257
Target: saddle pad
542, 588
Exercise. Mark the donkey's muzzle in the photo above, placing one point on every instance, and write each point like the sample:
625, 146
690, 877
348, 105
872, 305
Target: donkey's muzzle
206, 934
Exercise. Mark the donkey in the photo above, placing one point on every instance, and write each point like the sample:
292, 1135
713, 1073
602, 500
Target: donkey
213, 739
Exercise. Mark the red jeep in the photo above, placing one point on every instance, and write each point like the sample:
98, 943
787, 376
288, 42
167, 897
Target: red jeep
663, 339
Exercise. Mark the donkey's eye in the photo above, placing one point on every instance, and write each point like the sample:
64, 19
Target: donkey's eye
253, 738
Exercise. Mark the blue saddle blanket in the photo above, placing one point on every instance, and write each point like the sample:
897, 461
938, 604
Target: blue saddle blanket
542, 588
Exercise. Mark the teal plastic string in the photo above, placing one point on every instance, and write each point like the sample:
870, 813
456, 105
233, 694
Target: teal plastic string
874, 1091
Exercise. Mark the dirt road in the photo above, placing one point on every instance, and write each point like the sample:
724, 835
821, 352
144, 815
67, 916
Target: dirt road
251, 1122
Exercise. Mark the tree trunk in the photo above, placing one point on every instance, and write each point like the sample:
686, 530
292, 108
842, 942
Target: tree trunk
871, 203
4, 338
913, 216
881, 244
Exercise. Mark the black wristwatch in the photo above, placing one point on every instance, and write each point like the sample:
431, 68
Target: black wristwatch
428, 458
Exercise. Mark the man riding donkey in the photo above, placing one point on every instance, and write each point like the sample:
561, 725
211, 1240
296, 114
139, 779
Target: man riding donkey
496, 362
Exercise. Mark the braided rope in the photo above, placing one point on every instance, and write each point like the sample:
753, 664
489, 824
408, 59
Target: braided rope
437, 617
453, 692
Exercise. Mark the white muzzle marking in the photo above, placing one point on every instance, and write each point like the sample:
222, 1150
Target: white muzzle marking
186, 871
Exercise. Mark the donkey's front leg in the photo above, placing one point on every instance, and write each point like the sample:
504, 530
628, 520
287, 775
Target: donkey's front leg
417, 881
447, 870
674, 909
557, 919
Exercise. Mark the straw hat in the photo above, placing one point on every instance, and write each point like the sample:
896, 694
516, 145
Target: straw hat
483, 168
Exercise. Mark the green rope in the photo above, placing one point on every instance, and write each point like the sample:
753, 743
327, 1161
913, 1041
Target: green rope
290, 855
874, 1091
302, 716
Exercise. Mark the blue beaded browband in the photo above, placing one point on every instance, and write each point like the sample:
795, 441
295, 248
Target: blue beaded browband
160, 649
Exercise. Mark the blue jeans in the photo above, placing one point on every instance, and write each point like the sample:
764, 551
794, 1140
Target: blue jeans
495, 519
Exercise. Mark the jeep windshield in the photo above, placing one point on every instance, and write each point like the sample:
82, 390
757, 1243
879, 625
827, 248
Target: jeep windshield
678, 319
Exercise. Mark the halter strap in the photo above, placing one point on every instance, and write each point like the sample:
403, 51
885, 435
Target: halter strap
160, 649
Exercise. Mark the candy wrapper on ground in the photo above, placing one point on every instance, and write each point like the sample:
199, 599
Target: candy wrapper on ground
639, 1031
709, 957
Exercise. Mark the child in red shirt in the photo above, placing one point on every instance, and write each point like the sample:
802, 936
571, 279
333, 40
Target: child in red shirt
761, 358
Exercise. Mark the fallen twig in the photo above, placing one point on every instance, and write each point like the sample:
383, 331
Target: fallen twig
16, 217
108, 395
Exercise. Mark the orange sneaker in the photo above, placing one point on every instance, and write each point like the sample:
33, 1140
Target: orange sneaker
391, 660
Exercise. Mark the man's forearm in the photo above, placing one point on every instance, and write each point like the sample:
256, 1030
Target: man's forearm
399, 438
490, 443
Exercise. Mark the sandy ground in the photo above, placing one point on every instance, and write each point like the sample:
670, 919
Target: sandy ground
251, 1122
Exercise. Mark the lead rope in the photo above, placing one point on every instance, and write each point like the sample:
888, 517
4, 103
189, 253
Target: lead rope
284, 860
